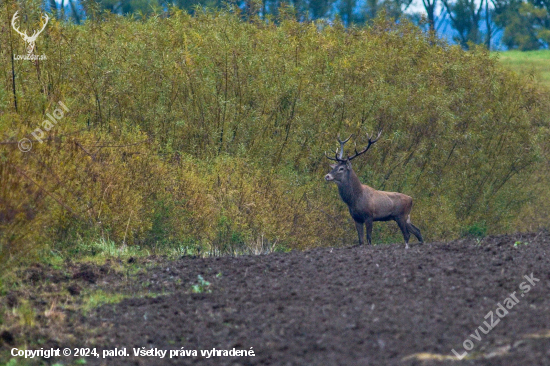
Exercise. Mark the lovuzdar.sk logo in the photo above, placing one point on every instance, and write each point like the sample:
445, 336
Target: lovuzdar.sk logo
30, 40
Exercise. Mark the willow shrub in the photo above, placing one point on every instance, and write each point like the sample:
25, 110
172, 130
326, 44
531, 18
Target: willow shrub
208, 132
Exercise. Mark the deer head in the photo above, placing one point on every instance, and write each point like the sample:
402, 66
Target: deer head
29, 39
340, 171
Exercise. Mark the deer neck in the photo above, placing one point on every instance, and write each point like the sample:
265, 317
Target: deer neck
351, 190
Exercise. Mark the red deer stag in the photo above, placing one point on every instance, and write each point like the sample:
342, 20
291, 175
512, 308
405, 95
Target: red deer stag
366, 204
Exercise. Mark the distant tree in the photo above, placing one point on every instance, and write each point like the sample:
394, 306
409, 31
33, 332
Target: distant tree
346, 10
318, 8
526, 23
489, 25
53, 5
465, 18
74, 11
393, 8
429, 6
129, 6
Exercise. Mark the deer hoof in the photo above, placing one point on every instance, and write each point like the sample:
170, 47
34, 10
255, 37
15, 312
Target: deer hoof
406, 245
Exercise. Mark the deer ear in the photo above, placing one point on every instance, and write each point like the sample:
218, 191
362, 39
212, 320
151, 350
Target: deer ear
333, 165
348, 164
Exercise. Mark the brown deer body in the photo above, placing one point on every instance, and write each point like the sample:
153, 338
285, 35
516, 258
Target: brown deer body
367, 204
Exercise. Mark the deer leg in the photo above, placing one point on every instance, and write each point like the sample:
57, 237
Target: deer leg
360, 232
416, 232
368, 223
403, 226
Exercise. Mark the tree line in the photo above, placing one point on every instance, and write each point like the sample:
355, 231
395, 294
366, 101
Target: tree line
521, 24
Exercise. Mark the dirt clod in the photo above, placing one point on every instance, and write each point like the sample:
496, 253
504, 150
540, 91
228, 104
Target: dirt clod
86, 273
35, 275
74, 289
7, 337
11, 300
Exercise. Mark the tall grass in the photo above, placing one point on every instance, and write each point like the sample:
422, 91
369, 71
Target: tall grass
208, 132
530, 63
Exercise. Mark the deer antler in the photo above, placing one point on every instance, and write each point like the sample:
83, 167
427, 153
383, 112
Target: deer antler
342, 143
339, 153
366, 148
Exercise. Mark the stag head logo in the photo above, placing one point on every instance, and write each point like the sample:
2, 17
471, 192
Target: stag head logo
29, 39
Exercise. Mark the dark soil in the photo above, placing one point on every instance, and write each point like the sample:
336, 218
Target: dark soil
380, 305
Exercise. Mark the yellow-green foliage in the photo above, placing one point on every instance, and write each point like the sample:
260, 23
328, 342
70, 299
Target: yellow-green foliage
26, 314
209, 131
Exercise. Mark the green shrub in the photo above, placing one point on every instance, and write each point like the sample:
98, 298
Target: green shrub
477, 230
